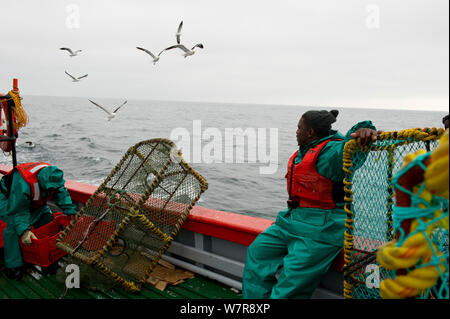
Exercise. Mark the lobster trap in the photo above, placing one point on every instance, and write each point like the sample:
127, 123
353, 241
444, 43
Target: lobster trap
370, 199
133, 216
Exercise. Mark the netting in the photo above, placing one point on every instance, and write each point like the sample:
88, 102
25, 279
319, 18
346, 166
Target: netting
370, 199
135, 213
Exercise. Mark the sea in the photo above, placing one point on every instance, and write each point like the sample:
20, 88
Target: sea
245, 175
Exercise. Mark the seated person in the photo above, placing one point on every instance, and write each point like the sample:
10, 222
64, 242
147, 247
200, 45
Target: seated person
24, 193
308, 235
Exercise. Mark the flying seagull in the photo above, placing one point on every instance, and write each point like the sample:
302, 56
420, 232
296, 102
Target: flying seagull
178, 34
71, 53
155, 58
110, 115
74, 79
187, 52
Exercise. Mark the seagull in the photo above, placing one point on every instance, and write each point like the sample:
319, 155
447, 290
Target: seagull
74, 79
29, 144
71, 53
110, 115
155, 58
187, 52
178, 34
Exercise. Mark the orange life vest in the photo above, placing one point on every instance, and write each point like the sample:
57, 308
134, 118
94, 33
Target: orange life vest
29, 172
306, 187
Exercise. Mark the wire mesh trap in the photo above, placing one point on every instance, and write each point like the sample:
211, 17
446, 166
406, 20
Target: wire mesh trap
133, 216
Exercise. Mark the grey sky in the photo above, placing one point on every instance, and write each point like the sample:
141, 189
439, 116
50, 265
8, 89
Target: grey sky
316, 53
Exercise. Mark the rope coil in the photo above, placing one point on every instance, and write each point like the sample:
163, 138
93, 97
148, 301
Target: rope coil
21, 115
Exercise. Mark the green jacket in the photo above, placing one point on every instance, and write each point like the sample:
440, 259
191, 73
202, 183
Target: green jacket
16, 210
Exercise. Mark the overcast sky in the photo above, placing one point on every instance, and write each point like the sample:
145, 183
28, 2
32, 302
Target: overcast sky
347, 53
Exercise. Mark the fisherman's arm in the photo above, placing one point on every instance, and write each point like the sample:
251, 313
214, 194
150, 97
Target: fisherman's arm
367, 134
364, 131
331, 161
62, 200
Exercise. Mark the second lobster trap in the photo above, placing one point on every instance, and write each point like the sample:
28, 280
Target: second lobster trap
132, 218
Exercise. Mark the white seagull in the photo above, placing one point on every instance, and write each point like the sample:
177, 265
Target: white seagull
155, 58
178, 34
71, 53
110, 115
74, 79
187, 52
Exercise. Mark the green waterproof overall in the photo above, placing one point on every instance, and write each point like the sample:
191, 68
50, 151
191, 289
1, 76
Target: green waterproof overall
302, 242
18, 215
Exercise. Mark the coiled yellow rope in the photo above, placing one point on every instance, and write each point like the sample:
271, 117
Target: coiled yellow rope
436, 175
417, 248
21, 115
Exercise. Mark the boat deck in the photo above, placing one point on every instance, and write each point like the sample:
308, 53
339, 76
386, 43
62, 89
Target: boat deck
41, 285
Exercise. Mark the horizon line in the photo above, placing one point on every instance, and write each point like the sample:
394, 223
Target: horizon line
424, 109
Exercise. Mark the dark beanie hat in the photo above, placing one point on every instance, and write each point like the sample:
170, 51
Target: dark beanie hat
320, 121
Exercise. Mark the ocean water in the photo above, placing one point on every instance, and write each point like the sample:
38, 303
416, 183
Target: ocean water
76, 136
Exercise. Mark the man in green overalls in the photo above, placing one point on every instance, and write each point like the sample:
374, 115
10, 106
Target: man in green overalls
24, 193
308, 235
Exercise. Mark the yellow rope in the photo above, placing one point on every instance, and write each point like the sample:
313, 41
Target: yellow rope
21, 115
414, 249
436, 175
390, 202
126, 284
349, 149
147, 223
